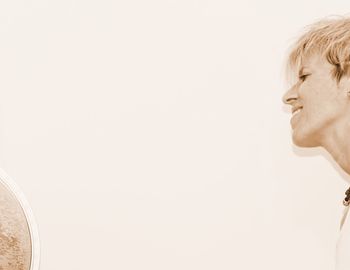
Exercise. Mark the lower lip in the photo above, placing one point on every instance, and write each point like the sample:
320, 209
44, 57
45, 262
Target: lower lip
294, 119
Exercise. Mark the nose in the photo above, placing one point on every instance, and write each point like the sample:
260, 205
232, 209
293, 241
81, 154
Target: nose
290, 96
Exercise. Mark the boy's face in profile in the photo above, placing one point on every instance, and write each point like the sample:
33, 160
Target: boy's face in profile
320, 105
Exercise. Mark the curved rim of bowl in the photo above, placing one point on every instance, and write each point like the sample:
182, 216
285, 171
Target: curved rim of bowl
33, 229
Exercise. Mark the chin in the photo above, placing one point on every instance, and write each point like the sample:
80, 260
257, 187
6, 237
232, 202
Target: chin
304, 140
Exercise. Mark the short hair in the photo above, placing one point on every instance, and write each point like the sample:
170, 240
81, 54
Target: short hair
330, 37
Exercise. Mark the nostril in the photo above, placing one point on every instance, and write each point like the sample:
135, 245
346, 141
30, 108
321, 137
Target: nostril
284, 99
288, 100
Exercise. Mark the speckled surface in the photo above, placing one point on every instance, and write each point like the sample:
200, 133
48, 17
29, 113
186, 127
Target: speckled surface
15, 242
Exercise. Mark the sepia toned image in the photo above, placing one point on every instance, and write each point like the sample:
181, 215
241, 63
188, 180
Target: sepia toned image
175, 135
319, 97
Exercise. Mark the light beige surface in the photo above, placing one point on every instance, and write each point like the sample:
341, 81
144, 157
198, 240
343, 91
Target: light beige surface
15, 242
151, 135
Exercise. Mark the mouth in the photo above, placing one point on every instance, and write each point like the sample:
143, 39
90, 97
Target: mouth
295, 118
296, 110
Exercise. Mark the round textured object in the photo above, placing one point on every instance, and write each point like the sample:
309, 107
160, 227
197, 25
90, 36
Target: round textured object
17, 230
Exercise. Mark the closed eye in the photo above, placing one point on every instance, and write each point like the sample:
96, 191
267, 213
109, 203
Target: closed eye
303, 77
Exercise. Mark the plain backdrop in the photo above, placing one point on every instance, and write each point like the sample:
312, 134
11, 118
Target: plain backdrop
152, 135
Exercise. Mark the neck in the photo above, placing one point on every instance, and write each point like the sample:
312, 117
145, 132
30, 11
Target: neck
338, 145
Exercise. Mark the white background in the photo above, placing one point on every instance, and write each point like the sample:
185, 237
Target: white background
151, 135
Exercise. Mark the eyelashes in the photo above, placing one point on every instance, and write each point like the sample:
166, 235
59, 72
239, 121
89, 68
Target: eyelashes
303, 77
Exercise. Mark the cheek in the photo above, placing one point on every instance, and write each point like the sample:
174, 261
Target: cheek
320, 115
312, 115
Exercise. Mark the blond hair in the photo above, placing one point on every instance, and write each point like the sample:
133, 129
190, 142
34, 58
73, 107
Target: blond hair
329, 37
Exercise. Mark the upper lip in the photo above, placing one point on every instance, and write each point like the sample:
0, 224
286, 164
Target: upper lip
295, 108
